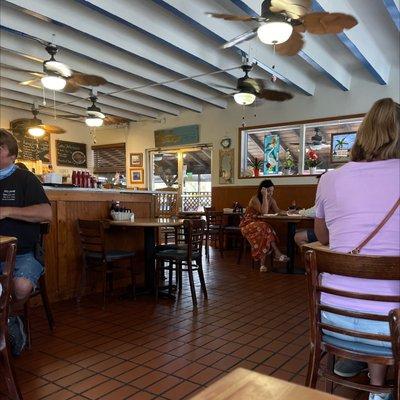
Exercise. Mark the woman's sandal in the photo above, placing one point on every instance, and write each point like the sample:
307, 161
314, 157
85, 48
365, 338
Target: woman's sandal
282, 258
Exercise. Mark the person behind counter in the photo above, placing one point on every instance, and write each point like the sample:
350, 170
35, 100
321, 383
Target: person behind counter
23, 206
260, 234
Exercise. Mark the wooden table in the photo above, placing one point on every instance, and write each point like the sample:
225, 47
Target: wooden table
242, 384
150, 226
5, 241
291, 221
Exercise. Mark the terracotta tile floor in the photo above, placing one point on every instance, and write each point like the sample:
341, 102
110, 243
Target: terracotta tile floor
143, 350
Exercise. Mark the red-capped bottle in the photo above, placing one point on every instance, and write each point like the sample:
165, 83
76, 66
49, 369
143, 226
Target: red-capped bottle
79, 178
73, 177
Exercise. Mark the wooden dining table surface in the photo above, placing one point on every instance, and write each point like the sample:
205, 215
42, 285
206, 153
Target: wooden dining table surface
286, 217
242, 384
150, 222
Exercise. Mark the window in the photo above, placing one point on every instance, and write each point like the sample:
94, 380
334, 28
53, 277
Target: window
109, 159
282, 150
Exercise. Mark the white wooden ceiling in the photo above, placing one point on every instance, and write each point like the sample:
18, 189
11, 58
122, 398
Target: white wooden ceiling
166, 52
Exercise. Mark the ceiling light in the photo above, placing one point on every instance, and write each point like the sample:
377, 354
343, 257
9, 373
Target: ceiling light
274, 32
244, 98
53, 82
94, 122
36, 131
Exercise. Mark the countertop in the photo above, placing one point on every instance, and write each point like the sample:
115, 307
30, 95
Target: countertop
90, 190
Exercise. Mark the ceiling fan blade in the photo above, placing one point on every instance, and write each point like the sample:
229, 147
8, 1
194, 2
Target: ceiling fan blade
241, 38
113, 120
274, 95
230, 17
293, 8
71, 86
52, 129
32, 82
292, 46
322, 23
87, 80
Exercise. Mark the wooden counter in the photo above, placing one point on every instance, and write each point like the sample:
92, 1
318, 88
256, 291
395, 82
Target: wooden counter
63, 256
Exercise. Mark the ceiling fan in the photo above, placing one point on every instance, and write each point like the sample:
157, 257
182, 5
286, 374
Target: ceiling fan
94, 117
34, 125
317, 141
248, 89
58, 76
282, 23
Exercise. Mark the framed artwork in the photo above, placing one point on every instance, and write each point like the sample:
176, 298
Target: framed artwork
226, 166
341, 144
271, 154
136, 159
136, 175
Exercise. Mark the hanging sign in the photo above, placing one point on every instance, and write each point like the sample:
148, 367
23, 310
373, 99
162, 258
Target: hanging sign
181, 135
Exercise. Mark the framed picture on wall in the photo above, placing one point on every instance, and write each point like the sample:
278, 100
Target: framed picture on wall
341, 144
136, 159
136, 175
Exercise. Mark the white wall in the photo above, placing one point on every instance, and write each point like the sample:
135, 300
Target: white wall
214, 123
75, 132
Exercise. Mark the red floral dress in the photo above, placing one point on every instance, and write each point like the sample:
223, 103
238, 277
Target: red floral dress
259, 233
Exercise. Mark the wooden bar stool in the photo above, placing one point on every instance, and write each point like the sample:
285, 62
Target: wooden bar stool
8, 250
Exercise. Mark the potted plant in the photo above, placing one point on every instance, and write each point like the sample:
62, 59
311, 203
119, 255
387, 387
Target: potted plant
312, 161
256, 164
288, 163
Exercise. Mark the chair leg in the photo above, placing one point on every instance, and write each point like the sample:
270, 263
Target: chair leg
104, 273
207, 247
330, 366
9, 372
242, 247
27, 325
179, 275
313, 364
133, 277
82, 282
201, 277
157, 277
46, 302
191, 281
170, 270
221, 243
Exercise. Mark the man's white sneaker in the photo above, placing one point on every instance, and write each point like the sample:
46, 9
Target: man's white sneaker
380, 396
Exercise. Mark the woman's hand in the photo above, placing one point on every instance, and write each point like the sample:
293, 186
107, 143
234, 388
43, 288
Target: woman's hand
264, 192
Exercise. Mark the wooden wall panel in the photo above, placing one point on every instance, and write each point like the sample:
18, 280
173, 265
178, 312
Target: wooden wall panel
63, 255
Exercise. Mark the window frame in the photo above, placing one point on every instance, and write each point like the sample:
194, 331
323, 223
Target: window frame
302, 124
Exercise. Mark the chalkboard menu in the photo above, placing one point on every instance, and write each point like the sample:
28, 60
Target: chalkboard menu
71, 154
33, 149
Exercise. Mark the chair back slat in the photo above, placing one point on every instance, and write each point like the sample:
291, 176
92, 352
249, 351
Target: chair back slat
214, 219
8, 252
165, 205
92, 238
394, 323
320, 260
194, 229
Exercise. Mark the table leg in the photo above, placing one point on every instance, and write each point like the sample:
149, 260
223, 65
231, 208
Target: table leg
291, 231
149, 246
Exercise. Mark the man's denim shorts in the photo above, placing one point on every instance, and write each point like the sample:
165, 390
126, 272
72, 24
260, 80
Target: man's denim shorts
26, 266
356, 324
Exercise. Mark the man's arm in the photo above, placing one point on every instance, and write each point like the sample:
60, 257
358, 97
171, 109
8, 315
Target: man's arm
321, 231
36, 213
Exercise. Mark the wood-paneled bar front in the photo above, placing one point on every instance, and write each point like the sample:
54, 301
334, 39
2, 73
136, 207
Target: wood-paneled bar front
63, 254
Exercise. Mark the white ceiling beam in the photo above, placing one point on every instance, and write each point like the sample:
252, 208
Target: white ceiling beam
121, 37
82, 93
159, 98
359, 40
285, 68
393, 8
7, 83
313, 52
94, 50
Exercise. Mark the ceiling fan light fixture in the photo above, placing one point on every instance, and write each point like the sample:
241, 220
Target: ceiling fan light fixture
53, 82
94, 122
244, 98
275, 32
36, 131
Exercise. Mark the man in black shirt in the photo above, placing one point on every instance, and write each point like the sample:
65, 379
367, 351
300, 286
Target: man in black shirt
23, 206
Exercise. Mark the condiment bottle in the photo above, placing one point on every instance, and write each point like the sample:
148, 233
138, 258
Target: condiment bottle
79, 178
74, 177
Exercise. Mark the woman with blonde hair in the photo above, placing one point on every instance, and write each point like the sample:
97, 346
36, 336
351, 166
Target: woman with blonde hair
351, 202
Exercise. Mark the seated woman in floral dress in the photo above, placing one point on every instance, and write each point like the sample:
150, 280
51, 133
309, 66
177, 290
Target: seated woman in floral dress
260, 234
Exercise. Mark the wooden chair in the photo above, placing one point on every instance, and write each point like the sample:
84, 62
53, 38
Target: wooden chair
8, 250
214, 231
97, 258
394, 323
40, 288
166, 206
320, 260
185, 256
